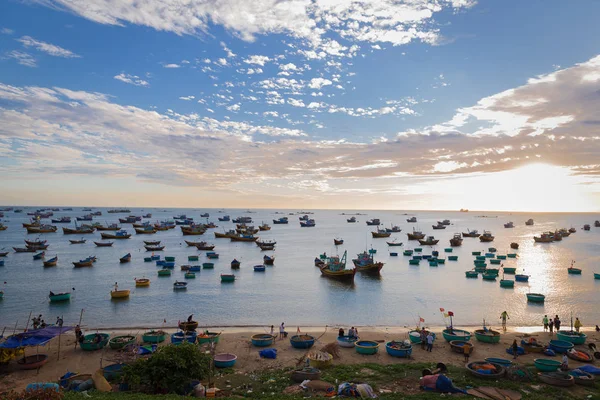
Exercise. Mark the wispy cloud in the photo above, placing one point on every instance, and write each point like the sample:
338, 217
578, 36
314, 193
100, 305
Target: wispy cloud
131, 79
6, 31
47, 48
171, 65
22, 58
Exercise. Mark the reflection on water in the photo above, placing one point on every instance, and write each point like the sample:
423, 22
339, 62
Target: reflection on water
293, 290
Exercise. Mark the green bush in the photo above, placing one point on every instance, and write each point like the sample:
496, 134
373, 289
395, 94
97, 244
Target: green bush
170, 369
39, 394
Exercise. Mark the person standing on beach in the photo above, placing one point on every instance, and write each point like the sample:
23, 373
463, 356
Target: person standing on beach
467, 351
577, 324
281, 331
557, 323
515, 349
430, 342
272, 330
341, 332
545, 321
423, 335
551, 326
503, 317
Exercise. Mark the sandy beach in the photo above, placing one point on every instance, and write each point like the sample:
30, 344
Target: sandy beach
236, 340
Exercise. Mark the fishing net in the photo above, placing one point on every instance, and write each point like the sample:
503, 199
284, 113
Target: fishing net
519, 374
332, 348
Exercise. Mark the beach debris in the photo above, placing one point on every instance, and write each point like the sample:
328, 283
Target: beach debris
332, 348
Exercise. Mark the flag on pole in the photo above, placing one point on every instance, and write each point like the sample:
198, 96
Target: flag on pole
441, 309
450, 313
421, 319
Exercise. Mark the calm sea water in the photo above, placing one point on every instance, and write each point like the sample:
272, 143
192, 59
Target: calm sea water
293, 290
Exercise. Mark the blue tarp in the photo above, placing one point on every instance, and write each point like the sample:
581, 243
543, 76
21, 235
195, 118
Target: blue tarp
38, 337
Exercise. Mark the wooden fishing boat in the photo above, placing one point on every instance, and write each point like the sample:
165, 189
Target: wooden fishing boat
94, 341
374, 222
179, 285
486, 237
430, 241
266, 247
334, 267
487, 335
380, 233
456, 240
84, 263
580, 355
51, 262
364, 262
125, 259
557, 378
193, 230
471, 274
414, 261
103, 244
243, 238
35, 361
154, 336
572, 270
225, 235
151, 242
438, 226
415, 235
338, 242
451, 334
351, 220
536, 297
268, 260
154, 248
142, 282
148, 230
394, 243
111, 227
119, 342
39, 256
4, 254
474, 233
521, 278
259, 268
264, 227
78, 230
118, 235
227, 278
58, 297
486, 369
81, 241
235, 264
366, 347
119, 294
42, 229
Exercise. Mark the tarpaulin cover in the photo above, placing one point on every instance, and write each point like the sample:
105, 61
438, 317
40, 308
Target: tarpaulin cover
34, 338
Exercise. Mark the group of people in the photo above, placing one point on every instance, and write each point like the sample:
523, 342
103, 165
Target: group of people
38, 322
352, 333
282, 332
551, 324
427, 339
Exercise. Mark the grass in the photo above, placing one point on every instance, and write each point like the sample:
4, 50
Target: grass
400, 379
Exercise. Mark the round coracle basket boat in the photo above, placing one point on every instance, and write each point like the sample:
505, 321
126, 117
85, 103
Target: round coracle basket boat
562, 379
225, 360
319, 359
308, 373
458, 346
154, 336
262, 340
486, 369
118, 342
94, 341
302, 341
33, 362
401, 349
487, 336
366, 347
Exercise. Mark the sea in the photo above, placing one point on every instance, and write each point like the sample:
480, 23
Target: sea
293, 290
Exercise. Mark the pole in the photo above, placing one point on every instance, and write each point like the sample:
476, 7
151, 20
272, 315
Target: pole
15, 330
59, 335
80, 319
28, 318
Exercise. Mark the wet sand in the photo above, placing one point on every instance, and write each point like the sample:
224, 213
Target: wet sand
236, 340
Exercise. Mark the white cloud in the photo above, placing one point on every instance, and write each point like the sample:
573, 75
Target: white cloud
171, 66
318, 83
252, 71
185, 62
131, 79
7, 31
222, 61
230, 54
271, 114
288, 67
187, 98
296, 102
234, 107
47, 48
22, 58
257, 59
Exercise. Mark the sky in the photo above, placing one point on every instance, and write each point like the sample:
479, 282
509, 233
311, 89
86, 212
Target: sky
415, 104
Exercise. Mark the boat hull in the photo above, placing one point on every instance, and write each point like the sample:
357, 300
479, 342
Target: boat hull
456, 334
490, 336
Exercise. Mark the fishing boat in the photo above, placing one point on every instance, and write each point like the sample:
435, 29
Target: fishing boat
438, 226
24, 250
308, 223
130, 219
119, 294
486, 237
119, 210
227, 278
415, 235
189, 275
122, 234
545, 237
444, 222
338, 242
259, 268
521, 278
364, 262
154, 336
262, 340
243, 238
109, 227
411, 220
164, 272
87, 217
471, 274
151, 242
264, 227
282, 220
366, 347
529, 222
380, 233
303, 218
120, 342
207, 265
94, 341
179, 285
302, 341
224, 218
572, 270
242, 220
62, 220
586, 227
42, 229
80, 241
88, 262
471, 233
577, 338
154, 248
334, 267
536, 297
374, 222
59, 297
596, 224
430, 241
393, 229
509, 225
268, 260
51, 262
125, 259
507, 283
39, 256
394, 244
451, 334
142, 282
235, 264
147, 230
414, 335
103, 244
456, 240
34, 222
351, 220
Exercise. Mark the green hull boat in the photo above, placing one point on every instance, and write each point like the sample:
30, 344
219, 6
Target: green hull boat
487, 336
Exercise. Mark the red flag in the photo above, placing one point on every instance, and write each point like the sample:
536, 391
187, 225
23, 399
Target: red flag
441, 309
450, 313
421, 319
